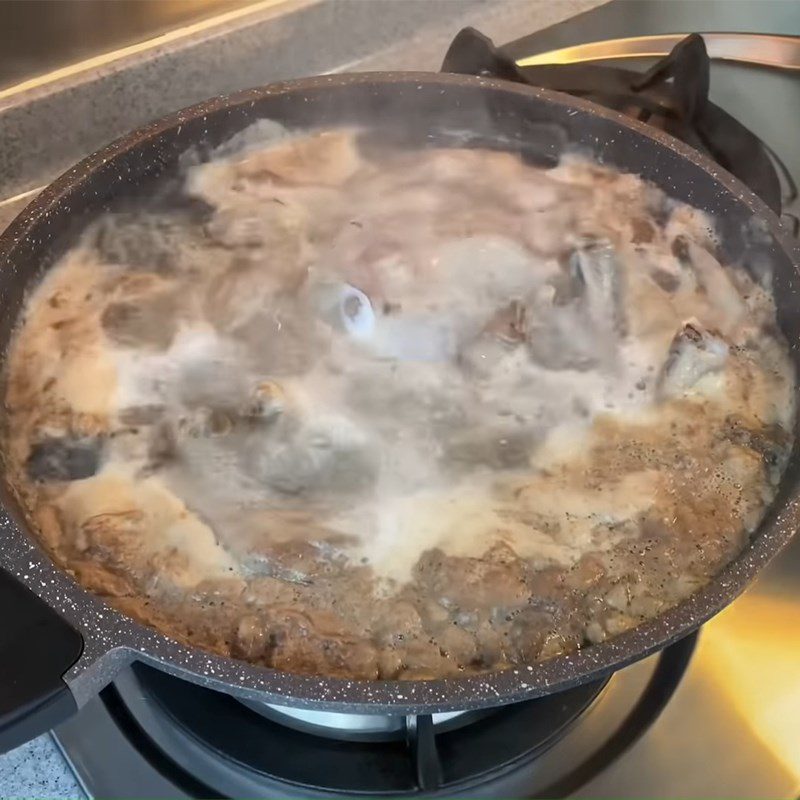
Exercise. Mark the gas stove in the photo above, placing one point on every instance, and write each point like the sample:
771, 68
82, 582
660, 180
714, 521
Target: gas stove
183, 740
715, 715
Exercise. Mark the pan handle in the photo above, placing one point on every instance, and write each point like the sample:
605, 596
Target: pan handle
37, 647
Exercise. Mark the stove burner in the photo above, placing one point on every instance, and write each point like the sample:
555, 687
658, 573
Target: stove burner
229, 737
205, 743
356, 727
672, 95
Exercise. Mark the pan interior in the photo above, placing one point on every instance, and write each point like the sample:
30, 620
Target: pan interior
568, 574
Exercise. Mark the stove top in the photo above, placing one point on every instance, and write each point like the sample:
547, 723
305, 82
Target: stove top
672, 95
187, 741
714, 716
763, 101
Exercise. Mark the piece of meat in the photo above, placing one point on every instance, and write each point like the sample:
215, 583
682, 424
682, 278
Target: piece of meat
269, 330
267, 401
327, 159
771, 442
594, 265
290, 562
665, 279
315, 643
643, 230
528, 632
710, 278
481, 356
509, 324
65, 458
158, 242
103, 581
576, 321
693, 354
251, 639
113, 537
141, 415
269, 235
425, 662
559, 337
244, 228
206, 422
398, 622
324, 456
291, 546
148, 322
474, 583
492, 647
457, 644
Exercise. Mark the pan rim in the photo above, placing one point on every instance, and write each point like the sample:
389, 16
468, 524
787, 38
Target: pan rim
112, 636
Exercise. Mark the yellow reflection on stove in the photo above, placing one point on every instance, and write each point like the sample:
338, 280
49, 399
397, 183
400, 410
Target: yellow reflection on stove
752, 653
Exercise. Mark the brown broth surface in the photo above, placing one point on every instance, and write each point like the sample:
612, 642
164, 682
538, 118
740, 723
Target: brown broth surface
382, 414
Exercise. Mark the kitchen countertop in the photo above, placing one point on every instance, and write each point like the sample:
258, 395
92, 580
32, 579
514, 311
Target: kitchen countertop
49, 123
123, 93
37, 770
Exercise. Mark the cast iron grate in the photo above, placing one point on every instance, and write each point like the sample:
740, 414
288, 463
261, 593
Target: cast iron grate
494, 756
672, 96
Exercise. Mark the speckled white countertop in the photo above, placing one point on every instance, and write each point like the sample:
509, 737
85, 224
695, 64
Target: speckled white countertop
38, 769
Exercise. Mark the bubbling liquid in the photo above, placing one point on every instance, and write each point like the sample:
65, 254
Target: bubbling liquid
404, 414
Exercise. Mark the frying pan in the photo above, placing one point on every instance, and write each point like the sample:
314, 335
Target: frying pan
59, 645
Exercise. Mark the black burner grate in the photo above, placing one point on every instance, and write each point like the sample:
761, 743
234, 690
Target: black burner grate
672, 95
287, 761
206, 743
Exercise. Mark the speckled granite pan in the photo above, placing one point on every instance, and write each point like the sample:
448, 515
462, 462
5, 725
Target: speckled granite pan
58, 649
